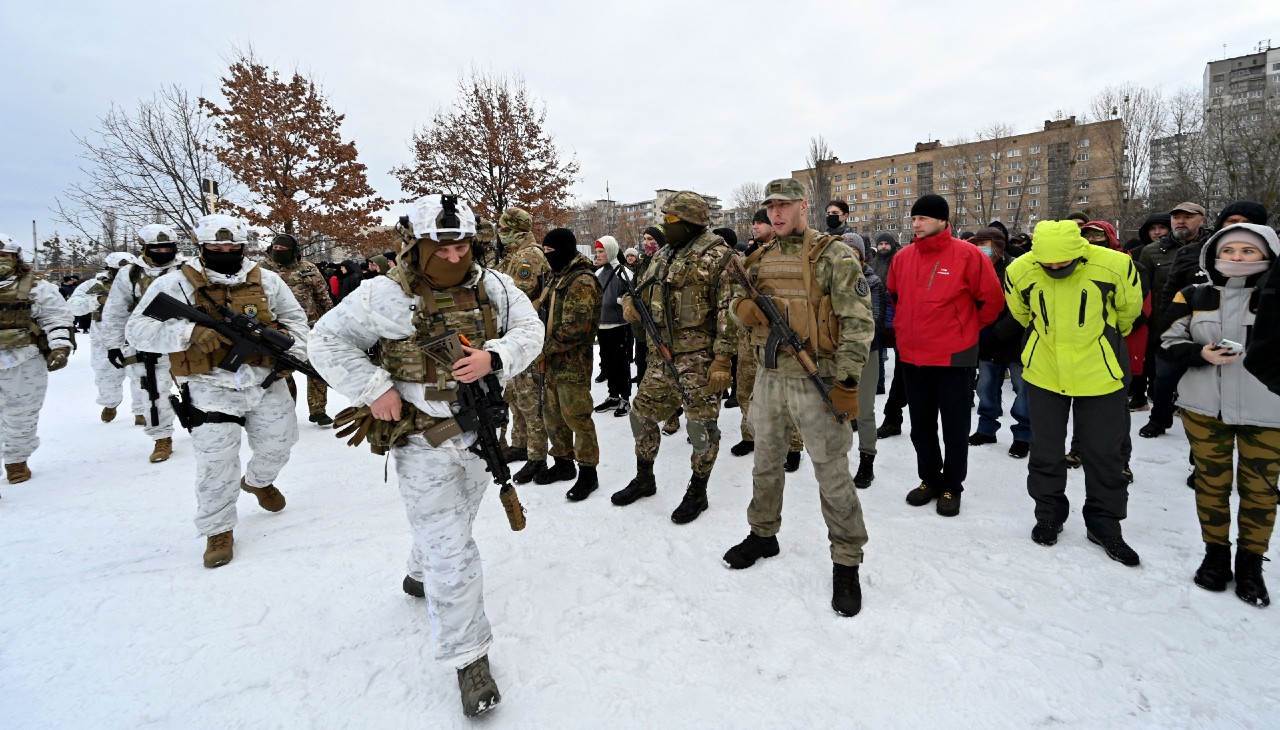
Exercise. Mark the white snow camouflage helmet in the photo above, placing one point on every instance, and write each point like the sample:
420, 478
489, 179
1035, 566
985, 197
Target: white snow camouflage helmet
155, 233
7, 245
221, 228
117, 259
442, 218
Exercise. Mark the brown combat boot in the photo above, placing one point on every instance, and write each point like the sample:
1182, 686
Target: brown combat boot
479, 691
269, 498
162, 451
17, 472
217, 550
108, 415
139, 421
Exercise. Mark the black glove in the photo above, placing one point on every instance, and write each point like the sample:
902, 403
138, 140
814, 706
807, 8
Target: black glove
116, 358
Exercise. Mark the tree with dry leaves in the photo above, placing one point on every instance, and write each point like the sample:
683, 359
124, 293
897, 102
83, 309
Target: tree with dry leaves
281, 139
492, 148
820, 161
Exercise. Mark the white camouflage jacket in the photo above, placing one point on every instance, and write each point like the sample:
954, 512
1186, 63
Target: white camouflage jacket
120, 303
50, 311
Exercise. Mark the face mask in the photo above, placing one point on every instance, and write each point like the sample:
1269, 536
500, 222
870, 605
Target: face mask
442, 274
833, 221
282, 256
681, 232
1062, 273
508, 238
160, 258
1233, 269
986, 251
226, 263
8, 265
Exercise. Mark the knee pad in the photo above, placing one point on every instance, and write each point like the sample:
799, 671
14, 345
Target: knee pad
703, 434
635, 423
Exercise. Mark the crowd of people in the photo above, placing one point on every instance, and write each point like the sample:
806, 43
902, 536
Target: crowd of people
794, 327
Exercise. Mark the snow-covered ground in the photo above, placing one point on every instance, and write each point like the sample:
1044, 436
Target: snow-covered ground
604, 617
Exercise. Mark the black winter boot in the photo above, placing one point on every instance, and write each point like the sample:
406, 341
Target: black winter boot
743, 447
1249, 585
866, 471
792, 463
529, 471
694, 502
846, 592
642, 486
1214, 572
586, 484
515, 453
892, 426
413, 587
563, 471
746, 553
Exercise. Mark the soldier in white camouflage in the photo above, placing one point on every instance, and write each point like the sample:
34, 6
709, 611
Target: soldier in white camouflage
311, 290
525, 262
686, 291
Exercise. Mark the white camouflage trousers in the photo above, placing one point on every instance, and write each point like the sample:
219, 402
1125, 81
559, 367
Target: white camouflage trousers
442, 488
22, 389
109, 379
164, 385
272, 429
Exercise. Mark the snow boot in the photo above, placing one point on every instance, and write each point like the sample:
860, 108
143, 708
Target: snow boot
587, 483
1117, 549
949, 504
922, 495
746, 553
1214, 572
563, 471
529, 471
515, 453
978, 438
17, 472
321, 419
1249, 585
413, 587
162, 450
731, 401
890, 427
642, 486
743, 447
217, 550
139, 421
846, 592
792, 463
108, 415
1046, 533
269, 498
866, 471
694, 502
479, 691
1019, 449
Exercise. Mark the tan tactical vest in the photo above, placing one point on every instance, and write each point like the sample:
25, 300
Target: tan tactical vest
690, 301
248, 298
463, 309
103, 290
17, 328
790, 281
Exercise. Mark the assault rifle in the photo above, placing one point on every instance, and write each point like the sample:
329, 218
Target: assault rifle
149, 384
651, 331
782, 336
482, 411
249, 336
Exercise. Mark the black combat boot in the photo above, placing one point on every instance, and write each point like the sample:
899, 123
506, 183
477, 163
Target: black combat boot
1249, 585
746, 553
694, 502
529, 471
642, 486
892, 426
846, 592
866, 471
563, 471
586, 484
515, 453
1214, 572
792, 463
413, 587
743, 447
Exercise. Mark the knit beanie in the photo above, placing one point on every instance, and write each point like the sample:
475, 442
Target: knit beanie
1255, 212
729, 236
657, 235
931, 206
761, 216
855, 242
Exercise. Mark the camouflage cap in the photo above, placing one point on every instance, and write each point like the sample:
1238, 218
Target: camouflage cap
786, 188
517, 219
485, 231
690, 207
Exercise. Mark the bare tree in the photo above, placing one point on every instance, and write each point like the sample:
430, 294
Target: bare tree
1244, 138
819, 161
1141, 111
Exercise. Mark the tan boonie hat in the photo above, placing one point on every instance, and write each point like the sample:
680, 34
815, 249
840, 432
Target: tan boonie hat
787, 188
1188, 207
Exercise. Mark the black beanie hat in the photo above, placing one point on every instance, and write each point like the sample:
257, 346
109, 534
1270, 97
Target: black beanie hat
887, 237
657, 234
761, 216
1255, 212
728, 235
563, 245
1001, 226
932, 206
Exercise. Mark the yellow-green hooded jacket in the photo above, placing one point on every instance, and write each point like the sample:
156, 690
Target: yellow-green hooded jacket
1076, 325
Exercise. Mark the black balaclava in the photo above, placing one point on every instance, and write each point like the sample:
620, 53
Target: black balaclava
226, 263
160, 258
681, 232
287, 256
563, 245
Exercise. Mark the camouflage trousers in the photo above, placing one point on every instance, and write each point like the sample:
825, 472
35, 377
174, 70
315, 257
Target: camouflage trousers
1213, 447
317, 395
782, 401
567, 409
22, 390
657, 400
745, 386
527, 427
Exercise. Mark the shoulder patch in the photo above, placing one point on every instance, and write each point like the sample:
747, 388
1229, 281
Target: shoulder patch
525, 271
1179, 299
862, 288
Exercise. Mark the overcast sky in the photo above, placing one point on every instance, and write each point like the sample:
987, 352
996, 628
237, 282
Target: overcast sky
655, 94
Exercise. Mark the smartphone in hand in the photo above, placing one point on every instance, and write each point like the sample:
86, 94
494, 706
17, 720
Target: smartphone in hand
1230, 348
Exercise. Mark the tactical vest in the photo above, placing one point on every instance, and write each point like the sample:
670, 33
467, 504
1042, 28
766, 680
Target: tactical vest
248, 298
463, 309
103, 290
687, 295
17, 327
789, 280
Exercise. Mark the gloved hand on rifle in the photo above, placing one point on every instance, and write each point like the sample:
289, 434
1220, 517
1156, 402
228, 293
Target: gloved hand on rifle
57, 359
207, 340
844, 395
720, 374
629, 312
749, 314
116, 358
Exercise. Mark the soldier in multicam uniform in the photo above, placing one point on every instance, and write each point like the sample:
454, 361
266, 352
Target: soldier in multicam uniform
486, 246
435, 290
312, 292
35, 339
89, 299
687, 293
159, 256
816, 281
526, 264
572, 314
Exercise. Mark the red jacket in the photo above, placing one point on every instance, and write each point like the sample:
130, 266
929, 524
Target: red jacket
945, 290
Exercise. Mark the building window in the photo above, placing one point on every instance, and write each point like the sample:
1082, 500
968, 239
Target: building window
907, 168
866, 196
878, 194
1084, 185
866, 207
892, 170
1035, 176
893, 193
1035, 203
1083, 171
1034, 190
851, 197
839, 178
877, 206
1013, 179
1011, 205
1014, 153
944, 186
906, 179
906, 191
1082, 199
878, 183
893, 204
1082, 157
1221, 77
865, 174
1034, 150
1013, 191
838, 188
878, 172
1083, 143
1013, 166
893, 181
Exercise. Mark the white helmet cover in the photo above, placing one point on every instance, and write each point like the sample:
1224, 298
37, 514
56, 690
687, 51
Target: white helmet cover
221, 228
157, 233
429, 218
117, 259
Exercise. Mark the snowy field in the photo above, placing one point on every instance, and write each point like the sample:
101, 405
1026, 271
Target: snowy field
604, 617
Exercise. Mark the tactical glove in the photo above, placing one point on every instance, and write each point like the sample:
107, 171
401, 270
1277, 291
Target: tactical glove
749, 314
352, 420
720, 374
116, 358
845, 398
629, 311
57, 359
207, 340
